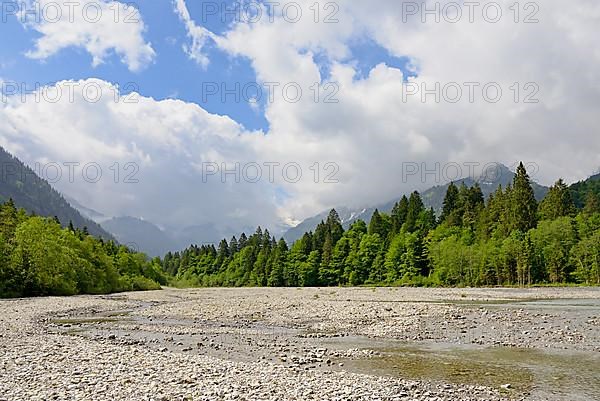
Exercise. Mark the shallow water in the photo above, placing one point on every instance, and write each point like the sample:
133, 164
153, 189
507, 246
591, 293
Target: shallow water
544, 374
564, 375
532, 303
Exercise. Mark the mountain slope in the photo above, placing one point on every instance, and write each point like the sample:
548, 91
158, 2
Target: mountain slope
86, 212
140, 235
347, 216
147, 237
580, 190
489, 181
35, 195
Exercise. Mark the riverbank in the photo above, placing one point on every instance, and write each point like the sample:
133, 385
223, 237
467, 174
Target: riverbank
302, 344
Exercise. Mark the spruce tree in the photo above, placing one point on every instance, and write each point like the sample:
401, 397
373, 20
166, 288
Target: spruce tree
306, 244
243, 241
326, 276
233, 245
376, 224
415, 207
8, 220
557, 203
334, 225
450, 205
399, 213
223, 251
321, 233
592, 204
523, 203
472, 203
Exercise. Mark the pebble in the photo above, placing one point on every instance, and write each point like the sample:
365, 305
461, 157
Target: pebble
44, 361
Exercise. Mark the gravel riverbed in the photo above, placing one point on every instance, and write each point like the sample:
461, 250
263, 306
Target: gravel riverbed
302, 344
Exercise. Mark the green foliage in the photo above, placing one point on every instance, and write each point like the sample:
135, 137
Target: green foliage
592, 204
403, 258
585, 258
523, 203
379, 225
399, 214
30, 192
554, 240
583, 191
38, 257
415, 208
450, 211
558, 202
476, 243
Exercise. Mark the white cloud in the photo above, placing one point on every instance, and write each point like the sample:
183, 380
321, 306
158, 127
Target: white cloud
164, 139
369, 134
98, 26
373, 130
198, 35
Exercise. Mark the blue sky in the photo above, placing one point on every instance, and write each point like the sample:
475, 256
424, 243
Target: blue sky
369, 134
172, 74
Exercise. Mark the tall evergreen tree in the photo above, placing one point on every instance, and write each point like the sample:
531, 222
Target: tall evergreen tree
326, 275
415, 207
523, 203
450, 206
243, 241
334, 225
8, 220
399, 214
279, 265
557, 203
233, 245
376, 226
592, 204
306, 244
471, 204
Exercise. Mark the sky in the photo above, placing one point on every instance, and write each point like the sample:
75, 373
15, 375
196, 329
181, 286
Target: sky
190, 112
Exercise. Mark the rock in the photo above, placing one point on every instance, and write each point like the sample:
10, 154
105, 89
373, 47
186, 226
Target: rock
42, 360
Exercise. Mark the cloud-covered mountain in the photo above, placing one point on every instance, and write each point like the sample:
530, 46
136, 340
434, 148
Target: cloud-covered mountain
87, 212
21, 184
140, 235
489, 181
159, 134
147, 237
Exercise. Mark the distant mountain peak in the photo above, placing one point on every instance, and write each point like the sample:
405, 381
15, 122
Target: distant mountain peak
492, 176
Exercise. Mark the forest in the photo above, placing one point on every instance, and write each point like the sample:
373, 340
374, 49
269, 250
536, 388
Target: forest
508, 239
38, 257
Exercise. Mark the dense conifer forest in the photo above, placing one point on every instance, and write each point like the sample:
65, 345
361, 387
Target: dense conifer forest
507, 239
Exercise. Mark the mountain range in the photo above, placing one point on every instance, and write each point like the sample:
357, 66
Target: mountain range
36, 195
489, 181
147, 237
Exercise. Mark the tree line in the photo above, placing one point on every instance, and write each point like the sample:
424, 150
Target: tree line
39, 257
508, 239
